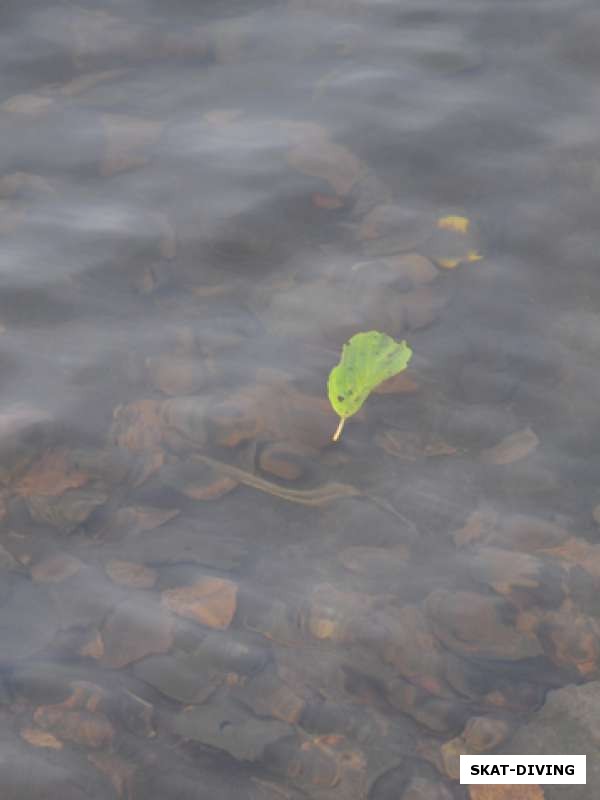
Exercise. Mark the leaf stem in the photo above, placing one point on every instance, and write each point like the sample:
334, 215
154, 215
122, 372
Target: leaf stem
339, 429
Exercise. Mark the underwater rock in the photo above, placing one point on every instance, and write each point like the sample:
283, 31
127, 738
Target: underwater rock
228, 727
127, 573
209, 601
136, 628
471, 624
567, 723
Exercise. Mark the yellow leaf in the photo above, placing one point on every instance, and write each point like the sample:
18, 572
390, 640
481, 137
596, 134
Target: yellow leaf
473, 255
448, 263
454, 223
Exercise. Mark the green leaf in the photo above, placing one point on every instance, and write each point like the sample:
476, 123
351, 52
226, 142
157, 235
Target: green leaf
367, 360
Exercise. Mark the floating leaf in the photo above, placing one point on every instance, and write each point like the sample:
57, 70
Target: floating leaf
367, 360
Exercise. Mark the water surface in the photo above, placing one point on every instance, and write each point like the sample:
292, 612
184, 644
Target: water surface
199, 204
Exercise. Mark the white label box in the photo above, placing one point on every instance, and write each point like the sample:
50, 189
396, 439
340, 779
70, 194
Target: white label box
523, 769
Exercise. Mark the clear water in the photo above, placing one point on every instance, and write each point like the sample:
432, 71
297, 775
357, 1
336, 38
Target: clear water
185, 193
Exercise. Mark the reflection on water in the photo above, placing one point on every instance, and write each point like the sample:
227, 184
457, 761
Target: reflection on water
201, 596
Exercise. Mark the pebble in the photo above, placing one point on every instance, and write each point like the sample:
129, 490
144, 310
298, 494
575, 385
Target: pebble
472, 624
55, 569
209, 601
287, 461
512, 448
136, 576
483, 734
80, 727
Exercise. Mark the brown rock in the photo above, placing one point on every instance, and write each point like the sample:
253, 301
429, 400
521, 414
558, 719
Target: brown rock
336, 615
437, 714
416, 269
137, 519
513, 696
94, 648
526, 534
55, 568
136, 714
119, 772
500, 791
273, 620
505, 571
325, 762
284, 460
479, 526
40, 738
126, 573
217, 486
51, 475
135, 629
394, 229
269, 696
512, 448
138, 426
67, 512
398, 384
397, 274
314, 154
472, 624
209, 601
410, 446
184, 422
572, 640
483, 734
578, 552
81, 727
420, 307
375, 561
84, 696
406, 445
275, 412
411, 648
451, 752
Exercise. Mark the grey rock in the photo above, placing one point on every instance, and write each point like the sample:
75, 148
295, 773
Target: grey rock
28, 622
568, 723
227, 727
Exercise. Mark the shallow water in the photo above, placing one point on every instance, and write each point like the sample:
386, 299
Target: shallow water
198, 205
